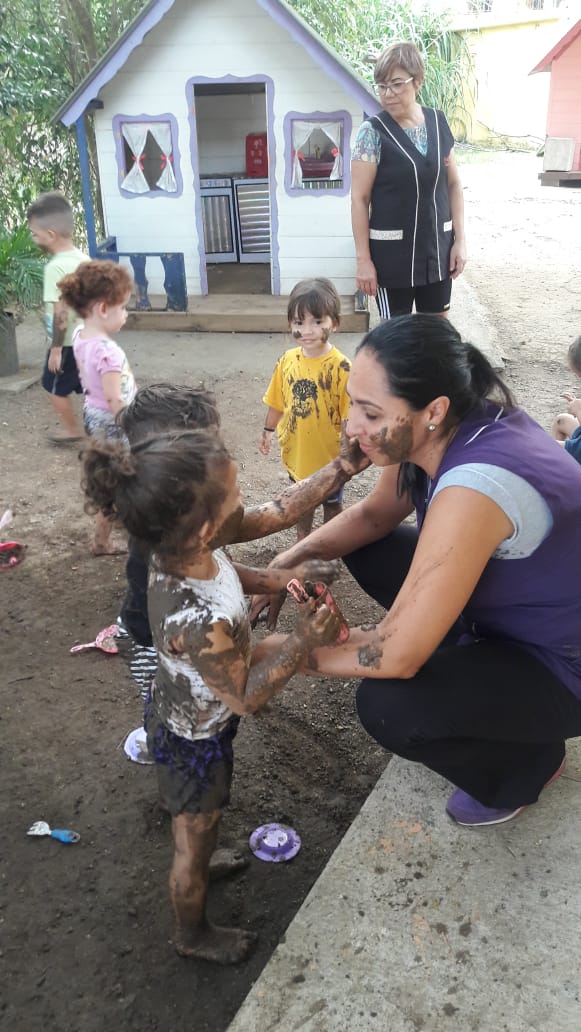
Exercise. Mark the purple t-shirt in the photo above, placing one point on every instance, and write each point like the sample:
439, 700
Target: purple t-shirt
96, 356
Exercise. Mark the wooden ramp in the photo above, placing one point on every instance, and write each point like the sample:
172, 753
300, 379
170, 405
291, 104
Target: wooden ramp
235, 313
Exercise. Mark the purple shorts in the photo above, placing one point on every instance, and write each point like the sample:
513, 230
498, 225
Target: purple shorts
193, 776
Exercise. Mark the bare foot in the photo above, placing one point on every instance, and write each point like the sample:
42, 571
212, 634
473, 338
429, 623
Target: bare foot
225, 862
109, 549
61, 437
218, 945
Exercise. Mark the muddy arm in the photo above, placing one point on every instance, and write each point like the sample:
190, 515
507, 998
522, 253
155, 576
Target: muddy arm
243, 688
285, 511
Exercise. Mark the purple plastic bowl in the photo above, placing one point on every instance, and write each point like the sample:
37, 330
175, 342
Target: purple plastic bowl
275, 843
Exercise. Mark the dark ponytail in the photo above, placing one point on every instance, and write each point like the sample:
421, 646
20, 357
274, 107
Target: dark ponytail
424, 357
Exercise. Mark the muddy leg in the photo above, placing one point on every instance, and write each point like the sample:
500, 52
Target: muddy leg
67, 416
194, 838
102, 545
331, 509
305, 525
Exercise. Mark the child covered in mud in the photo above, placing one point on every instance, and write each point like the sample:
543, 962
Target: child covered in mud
179, 494
566, 427
307, 398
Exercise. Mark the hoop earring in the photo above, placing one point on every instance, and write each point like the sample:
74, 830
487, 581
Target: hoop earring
431, 427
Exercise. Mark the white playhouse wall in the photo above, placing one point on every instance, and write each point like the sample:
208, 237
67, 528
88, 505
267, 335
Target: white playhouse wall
238, 38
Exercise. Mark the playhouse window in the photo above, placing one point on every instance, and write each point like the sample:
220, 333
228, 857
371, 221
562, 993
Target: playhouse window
148, 156
317, 154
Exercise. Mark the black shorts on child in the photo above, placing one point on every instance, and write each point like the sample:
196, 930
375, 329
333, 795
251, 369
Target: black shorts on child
193, 777
67, 381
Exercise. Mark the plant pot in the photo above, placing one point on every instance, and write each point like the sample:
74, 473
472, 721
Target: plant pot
8, 351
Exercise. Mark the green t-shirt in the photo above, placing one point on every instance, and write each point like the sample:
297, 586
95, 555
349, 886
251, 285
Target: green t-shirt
57, 267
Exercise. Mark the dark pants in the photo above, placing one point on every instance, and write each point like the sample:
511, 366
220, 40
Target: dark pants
134, 612
488, 716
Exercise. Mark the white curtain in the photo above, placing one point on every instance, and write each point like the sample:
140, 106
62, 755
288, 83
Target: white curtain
135, 133
333, 131
161, 132
300, 134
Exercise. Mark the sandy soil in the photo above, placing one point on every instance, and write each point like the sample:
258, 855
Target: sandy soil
86, 928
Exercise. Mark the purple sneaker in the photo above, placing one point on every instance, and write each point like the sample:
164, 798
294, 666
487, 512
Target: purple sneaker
466, 810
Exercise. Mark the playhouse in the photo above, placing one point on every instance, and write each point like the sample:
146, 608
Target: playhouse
562, 154
223, 132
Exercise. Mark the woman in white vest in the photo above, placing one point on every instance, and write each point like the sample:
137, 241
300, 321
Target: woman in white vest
406, 196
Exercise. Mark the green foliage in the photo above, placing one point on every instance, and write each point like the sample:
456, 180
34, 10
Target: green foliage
48, 46
46, 49
21, 269
360, 29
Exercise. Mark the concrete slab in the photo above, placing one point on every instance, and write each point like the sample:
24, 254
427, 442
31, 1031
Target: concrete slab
20, 381
471, 319
416, 924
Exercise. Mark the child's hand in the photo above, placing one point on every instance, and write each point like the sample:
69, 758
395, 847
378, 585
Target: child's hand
318, 625
573, 404
316, 570
351, 457
264, 442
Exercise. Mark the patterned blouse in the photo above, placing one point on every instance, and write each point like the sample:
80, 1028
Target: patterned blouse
367, 146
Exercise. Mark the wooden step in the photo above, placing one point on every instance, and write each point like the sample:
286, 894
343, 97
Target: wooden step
235, 313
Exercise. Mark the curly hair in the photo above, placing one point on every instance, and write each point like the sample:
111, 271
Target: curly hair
162, 490
92, 282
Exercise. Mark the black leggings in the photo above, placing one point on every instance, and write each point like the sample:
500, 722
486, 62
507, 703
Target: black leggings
489, 717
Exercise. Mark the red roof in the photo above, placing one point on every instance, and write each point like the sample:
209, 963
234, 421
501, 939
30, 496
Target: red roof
558, 49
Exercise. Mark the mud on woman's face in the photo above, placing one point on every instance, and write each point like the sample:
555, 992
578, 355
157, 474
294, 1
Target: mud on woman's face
383, 424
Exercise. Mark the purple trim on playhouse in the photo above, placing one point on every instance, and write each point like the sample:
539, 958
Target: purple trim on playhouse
114, 59
323, 55
316, 116
118, 121
152, 14
269, 94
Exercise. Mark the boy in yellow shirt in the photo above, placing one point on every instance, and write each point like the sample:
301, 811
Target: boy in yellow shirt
307, 399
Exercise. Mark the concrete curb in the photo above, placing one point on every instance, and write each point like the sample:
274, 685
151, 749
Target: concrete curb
416, 924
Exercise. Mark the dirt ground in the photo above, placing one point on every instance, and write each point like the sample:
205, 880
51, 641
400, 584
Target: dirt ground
86, 929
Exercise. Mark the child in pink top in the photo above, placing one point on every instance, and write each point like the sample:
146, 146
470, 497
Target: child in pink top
99, 291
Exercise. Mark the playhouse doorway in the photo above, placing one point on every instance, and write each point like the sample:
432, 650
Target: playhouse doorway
234, 185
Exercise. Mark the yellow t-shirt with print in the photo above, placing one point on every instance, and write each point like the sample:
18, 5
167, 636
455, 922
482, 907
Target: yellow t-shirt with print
311, 394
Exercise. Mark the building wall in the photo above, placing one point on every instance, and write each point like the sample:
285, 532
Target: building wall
564, 117
508, 102
237, 38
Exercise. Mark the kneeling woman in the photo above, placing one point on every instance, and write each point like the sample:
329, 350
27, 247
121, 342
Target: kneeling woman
475, 671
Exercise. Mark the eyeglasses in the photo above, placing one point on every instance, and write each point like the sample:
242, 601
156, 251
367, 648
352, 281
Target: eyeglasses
396, 86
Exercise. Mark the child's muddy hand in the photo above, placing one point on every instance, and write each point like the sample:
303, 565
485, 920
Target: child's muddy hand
323, 570
265, 609
319, 625
351, 457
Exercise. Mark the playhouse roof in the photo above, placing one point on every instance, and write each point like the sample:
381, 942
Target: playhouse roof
114, 59
559, 48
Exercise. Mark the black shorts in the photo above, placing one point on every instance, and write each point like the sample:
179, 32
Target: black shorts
432, 299
67, 381
193, 777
